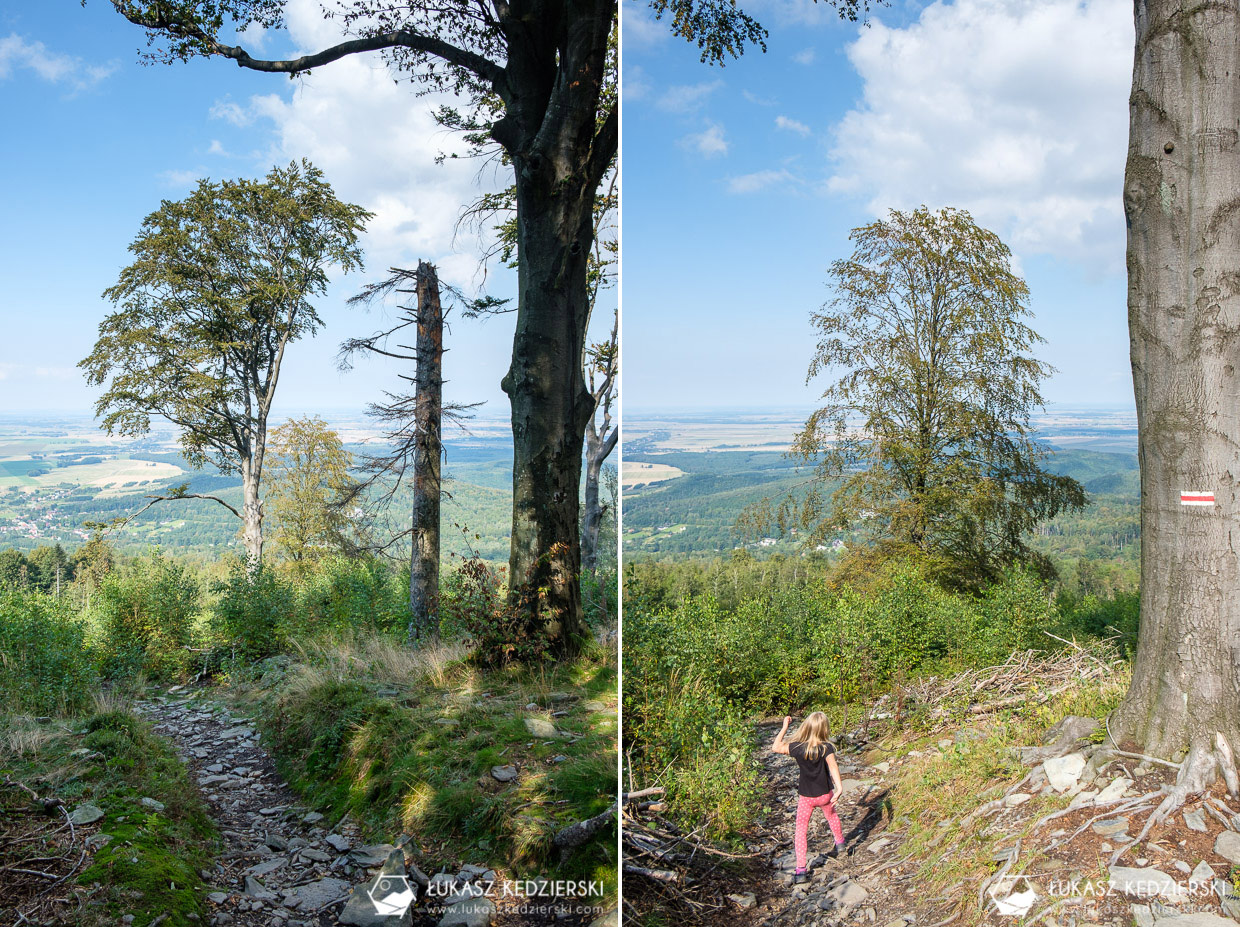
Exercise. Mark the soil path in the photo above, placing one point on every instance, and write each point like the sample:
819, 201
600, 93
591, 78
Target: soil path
859, 884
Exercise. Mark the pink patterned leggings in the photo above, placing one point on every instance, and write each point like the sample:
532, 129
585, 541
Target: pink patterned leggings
805, 809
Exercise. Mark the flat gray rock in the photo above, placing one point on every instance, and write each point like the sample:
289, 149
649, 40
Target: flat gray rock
846, 896
257, 890
472, 912
1195, 820
541, 727
153, 804
743, 901
265, 868
375, 855
338, 842
1063, 772
1112, 828
1203, 873
504, 773
86, 813
308, 898
1228, 846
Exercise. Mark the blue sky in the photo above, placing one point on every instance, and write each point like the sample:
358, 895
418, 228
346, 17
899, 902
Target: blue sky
742, 182
94, 140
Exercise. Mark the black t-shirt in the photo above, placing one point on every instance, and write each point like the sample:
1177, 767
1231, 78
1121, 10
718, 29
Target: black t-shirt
815, 775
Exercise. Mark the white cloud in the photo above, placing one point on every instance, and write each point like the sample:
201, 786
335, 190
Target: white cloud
636, 84
805, 56
218, 149
182, 178
759, 180
684, 98
16, 52
1014, 109
233, 112
639, 27
377, 144
709, 143
791, 125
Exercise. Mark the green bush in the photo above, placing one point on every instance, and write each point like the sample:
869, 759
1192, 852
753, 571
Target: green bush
252, 611
698, 668
44, 663
342, 594
145, 615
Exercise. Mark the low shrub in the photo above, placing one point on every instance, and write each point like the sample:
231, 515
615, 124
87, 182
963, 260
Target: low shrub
145, 616
44, 664
350, 594
253, 610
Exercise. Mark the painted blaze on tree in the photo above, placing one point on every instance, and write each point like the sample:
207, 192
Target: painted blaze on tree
925, 431
219, 287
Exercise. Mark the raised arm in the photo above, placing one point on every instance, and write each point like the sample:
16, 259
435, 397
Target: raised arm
780, 746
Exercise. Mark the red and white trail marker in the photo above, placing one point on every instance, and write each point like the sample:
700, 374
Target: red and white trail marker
1189, 497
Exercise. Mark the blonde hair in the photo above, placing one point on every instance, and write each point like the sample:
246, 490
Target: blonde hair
814, 732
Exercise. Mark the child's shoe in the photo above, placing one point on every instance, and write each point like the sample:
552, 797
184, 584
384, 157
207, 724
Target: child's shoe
800, 877
834, 852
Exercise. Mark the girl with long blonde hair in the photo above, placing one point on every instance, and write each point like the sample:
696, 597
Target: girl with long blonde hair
820, 779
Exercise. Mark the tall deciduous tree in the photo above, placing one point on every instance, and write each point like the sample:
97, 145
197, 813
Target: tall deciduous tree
308, 476
534, 72
1184, 315
219, 288
925, 431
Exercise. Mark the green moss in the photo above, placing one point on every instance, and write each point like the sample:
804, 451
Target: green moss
391, 764
150, 866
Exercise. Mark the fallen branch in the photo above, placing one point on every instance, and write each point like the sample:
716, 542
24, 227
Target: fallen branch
660, 875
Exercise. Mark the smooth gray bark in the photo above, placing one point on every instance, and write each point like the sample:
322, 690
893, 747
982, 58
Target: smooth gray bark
1182, 202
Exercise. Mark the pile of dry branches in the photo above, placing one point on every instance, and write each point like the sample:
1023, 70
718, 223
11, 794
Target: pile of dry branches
40, 850
1027, 677
661, 858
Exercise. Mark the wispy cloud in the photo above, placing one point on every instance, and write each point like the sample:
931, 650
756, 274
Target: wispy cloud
759, 180
67, 70
238, 115
709, 143
179, 179
791, 125
805, 57
685, 98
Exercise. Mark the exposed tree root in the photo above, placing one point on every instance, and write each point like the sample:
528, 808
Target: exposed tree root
1197, 773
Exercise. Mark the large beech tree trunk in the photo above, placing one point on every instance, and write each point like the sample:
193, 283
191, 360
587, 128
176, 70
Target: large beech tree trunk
427, 460
1182, 201
546, 387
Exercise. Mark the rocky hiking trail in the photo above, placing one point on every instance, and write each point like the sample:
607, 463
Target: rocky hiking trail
1032, 844
282, 865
